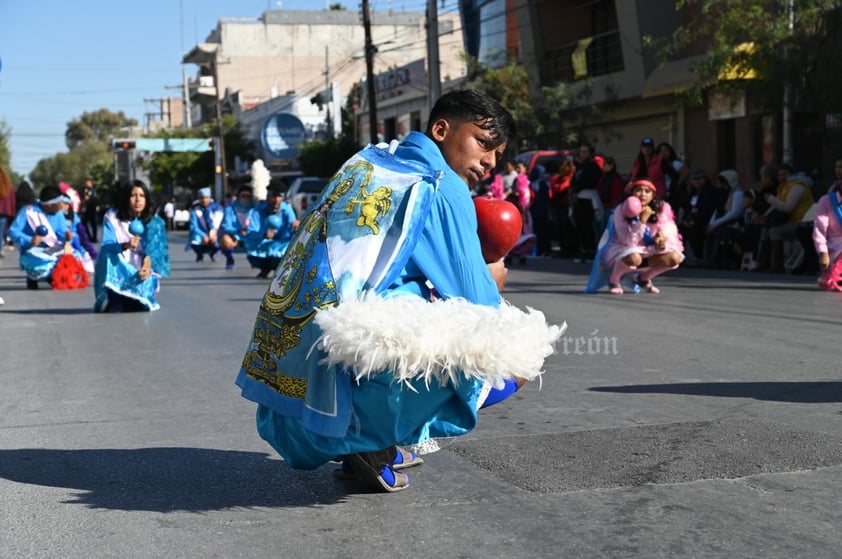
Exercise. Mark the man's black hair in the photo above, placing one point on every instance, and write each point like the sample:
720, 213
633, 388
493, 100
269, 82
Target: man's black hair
470, 105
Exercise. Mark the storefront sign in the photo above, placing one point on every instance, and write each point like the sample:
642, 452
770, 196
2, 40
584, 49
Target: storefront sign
281, 135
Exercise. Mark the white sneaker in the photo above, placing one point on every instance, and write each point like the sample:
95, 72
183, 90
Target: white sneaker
2, 302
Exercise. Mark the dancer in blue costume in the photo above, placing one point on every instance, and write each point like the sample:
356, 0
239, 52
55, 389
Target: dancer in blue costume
392, 238
271, 227
205, 219
235, 224
133, 255
40, 232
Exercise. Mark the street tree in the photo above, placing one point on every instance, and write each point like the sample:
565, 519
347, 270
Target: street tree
6, 152
509, 85
99, 126
72, 166
759, 47
171, 169
195, 170
88, 140
541, 117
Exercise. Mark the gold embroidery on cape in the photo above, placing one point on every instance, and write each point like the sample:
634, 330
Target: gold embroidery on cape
276, 332
371, 206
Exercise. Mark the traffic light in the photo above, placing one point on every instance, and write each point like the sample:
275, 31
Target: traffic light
123, 144
322, 98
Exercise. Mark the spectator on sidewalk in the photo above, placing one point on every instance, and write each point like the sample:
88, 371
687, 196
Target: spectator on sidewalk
785, 211
7, 207
725, 226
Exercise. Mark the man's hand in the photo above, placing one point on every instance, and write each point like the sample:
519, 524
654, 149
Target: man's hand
499, 273
134, 243
270, 233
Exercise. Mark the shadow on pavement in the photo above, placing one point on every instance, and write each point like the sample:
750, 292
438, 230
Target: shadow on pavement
816, 392
171, 478
52, 310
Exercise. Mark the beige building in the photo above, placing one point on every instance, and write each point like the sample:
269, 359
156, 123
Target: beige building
296, 54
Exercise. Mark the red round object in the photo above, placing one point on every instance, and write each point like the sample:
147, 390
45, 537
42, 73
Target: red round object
498, 225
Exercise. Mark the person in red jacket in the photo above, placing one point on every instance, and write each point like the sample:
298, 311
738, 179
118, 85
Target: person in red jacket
648, 165
563, 231
611, 189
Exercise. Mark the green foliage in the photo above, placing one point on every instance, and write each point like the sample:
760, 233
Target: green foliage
509, 85
540, 120
73, 166
178, 168
322, 158
194, 170
807, 55
98, 126
352, 102
88, 139
5, 151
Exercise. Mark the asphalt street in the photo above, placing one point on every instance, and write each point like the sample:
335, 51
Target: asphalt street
700, 422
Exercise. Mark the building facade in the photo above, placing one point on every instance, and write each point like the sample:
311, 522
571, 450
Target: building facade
596, 48
276, 63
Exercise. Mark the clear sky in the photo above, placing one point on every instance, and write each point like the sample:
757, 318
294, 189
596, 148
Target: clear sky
62, 58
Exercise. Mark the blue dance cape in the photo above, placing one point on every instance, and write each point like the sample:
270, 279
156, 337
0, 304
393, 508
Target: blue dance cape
357, 239
114, 273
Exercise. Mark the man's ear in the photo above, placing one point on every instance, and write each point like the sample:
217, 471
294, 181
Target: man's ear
439, 130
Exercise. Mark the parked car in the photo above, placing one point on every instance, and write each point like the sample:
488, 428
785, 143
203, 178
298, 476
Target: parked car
549, 158
181, 219
303, 193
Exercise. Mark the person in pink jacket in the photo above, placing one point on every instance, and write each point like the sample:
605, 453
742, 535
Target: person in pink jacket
827, 233
643, 228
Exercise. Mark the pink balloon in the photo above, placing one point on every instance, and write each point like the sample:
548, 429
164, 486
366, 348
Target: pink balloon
632, 207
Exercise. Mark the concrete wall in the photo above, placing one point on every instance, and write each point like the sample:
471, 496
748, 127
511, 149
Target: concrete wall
291, 50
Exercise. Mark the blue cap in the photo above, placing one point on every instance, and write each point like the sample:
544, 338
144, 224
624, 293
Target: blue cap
206, 191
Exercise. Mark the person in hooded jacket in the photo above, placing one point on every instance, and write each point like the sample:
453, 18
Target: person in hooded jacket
720, 230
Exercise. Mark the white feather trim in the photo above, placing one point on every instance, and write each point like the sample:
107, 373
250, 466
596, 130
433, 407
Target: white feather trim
446, 340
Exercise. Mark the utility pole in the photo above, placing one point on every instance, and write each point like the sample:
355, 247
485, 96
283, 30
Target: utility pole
370, 49
328, 122
786, 132
433, 62
221, 171
188, 117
